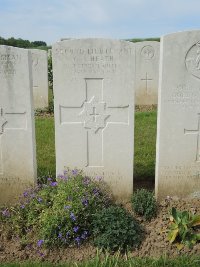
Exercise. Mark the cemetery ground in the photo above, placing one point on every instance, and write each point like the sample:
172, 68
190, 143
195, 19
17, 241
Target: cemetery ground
155, 249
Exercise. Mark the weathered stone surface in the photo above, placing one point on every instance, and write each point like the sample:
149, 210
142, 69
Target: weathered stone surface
178, 135
40, 78
94, 109
17, 132
147, 68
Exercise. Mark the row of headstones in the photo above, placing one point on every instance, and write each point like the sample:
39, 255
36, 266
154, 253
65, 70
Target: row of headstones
146, 74
94, 114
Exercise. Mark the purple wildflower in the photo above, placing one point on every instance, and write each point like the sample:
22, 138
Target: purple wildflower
95, 191
53, 184
39, 199
67, 234
75, 172
22, 206
84, 235
86, 181
40, 254
99, 178
72, 216
78, 240
67, 207
40, 242
25, 194
75, 229
61, 176
85, 202
60, 235
49, 179
6, 213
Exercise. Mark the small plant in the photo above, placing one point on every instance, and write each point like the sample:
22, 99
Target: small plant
144, 204
59, 213
115, 229
181, 228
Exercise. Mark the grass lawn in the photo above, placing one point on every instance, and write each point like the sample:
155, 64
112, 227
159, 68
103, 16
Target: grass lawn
117, 262
45, 146
145, 146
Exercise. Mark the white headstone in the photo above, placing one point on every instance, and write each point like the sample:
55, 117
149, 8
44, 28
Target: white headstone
17, 130
94, 109
178, 135
147, 68
40, 78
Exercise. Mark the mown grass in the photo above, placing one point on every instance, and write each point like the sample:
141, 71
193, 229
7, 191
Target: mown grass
45, 146
145, 145
110, 261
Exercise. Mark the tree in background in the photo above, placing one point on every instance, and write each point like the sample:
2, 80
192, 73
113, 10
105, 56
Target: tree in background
22, 43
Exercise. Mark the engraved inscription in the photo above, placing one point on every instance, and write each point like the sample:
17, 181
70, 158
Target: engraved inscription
99, 60
147, 52
6, 122
185, 96
192, 60
8, 62
95, 116
3, 121
146, 79
197, 133
180, 172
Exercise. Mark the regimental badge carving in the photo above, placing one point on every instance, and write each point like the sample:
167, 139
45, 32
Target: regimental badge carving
147, 52
3, 121
192, 60
94, 115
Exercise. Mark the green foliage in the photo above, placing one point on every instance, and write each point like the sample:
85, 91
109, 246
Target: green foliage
38, 43
70, 217
181, 228
50, 108
135, 40
115, 229
59, 213
144, 203
21, 43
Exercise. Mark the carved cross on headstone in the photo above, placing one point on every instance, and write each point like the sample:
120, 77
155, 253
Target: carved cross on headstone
7, 123
197, 133
146, 79
3, 121
95, 115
